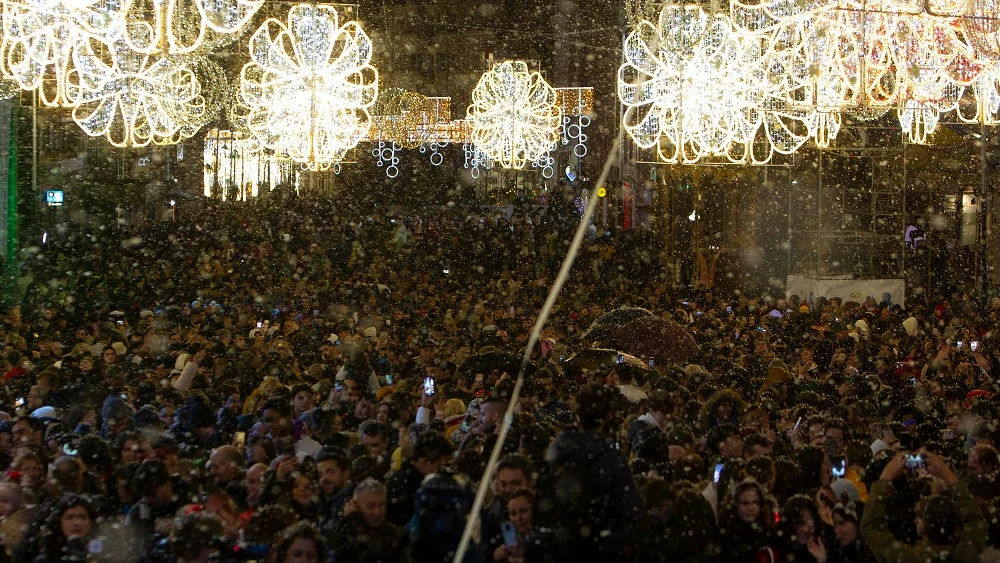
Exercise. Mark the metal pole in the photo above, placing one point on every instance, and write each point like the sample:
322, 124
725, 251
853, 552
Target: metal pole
902, 259
819, 211
981, 217
12, 196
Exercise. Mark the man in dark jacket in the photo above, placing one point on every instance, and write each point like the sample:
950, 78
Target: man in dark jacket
659, 408
364, 535
597, 497
430, 453
334, 470
150, 519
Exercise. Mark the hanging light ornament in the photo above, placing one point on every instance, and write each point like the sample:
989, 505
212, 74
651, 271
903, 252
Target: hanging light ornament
141, 99
185, 26
866, 57
309, 85
41, 39
513, 115
694, 88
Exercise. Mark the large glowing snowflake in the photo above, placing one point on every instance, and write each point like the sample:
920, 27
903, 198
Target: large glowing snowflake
42, 37
141, 99
680, 88
513, 115
309, 85
865, 56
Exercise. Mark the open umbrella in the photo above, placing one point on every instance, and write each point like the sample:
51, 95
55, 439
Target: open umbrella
660, 339
605, 328
502, 362
601, 359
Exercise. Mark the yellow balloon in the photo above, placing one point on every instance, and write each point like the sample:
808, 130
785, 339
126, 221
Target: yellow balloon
601, 192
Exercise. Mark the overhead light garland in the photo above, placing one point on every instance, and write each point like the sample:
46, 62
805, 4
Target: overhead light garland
869, 56
309, 85
513, 115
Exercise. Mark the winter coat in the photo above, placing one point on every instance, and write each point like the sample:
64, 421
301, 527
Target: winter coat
402, 488
887, 549
642, 428
353, 541
439, 519
706, 417
597, 498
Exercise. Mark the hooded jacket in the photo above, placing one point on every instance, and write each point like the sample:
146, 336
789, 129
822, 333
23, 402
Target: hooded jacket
113, 408
706, 417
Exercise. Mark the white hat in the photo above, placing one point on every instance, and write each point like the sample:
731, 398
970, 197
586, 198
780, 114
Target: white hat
255, 332
843, 487
145, 313
44, 412
119, 348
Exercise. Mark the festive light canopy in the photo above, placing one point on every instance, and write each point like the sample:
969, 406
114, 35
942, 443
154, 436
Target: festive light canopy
514, 116
309, 85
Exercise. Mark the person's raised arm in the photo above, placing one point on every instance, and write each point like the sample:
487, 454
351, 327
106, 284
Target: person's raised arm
972, 537
184, 380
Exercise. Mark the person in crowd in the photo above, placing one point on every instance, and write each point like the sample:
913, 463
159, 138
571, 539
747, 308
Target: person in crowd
949, 524
364, 534
598, 500
746, 522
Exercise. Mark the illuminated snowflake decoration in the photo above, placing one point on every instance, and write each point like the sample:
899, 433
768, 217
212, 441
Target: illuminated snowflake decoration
869, 56
513, 115
141, 99
682, 88
309, 85
41, 38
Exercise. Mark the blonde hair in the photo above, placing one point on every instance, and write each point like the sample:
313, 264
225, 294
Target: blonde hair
453, 407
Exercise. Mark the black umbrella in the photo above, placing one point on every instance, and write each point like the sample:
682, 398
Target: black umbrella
661, 339
502, 362
604, 329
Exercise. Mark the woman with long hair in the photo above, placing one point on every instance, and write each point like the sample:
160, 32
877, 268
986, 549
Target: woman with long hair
746, 523
67, 531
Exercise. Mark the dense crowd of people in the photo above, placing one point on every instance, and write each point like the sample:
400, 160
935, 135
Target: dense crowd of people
296, 382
